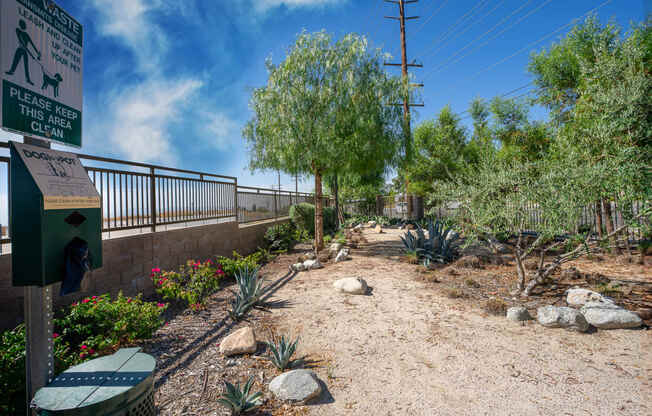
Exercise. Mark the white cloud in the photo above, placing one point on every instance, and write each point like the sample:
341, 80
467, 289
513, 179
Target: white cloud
221, 130
264, 5
140, 123
128, 21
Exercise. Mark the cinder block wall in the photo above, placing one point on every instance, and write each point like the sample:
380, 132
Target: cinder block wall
128, 262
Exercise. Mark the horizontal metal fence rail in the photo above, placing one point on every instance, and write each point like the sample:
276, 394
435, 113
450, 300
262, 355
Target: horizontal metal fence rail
155, 195
258, 204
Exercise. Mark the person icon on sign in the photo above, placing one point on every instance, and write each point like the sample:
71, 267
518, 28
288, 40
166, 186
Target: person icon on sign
22, 52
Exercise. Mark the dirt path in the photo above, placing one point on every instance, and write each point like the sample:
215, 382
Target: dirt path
405, 350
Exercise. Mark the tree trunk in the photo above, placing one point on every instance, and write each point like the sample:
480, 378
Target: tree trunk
598, 218
336, 188
319, 213
520, 270
609, 223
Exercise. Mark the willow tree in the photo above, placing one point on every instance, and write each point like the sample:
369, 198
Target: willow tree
324, 110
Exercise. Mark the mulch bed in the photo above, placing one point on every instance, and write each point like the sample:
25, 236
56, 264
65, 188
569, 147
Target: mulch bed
190, 370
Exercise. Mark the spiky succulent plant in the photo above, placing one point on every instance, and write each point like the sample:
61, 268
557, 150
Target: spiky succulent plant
249, 285
282, 351
240, 400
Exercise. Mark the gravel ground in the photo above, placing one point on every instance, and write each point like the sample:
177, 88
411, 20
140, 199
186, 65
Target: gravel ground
406, 350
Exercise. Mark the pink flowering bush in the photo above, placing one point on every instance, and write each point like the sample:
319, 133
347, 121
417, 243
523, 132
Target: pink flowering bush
98, 325
190, 285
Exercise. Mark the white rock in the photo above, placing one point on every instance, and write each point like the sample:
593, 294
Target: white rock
335, 247
562, 317
296, 386
579, 297
312, 264
372, 224
610, 316
342, 255
241, 341
358, 227
351, 285
298, 267
518, 314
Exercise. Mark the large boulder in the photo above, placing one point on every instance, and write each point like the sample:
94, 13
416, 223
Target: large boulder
296, 386
579, 297
610, 316
562, 317
351, 285
242, 341
312, 264
518, 314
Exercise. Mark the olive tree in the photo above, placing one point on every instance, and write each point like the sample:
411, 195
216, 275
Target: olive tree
497, 197
325, 110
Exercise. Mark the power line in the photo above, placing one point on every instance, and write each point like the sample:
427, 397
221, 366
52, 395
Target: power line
418, 29
467, 28
453, 26
450, 60
540, 39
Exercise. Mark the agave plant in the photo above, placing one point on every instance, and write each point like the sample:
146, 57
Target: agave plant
239, 307
249, 284
437, 246
240, 400
282, 350
249, 292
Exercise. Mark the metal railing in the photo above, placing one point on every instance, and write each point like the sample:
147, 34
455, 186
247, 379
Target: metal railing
143, 196
258, 204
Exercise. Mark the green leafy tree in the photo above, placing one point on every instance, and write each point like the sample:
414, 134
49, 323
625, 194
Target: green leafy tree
324, 108
439, 151
596, 83
557, 70
497, 196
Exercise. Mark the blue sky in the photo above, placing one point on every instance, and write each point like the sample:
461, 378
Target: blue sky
168, 81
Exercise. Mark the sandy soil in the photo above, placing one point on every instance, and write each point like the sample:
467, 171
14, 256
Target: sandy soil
405, 349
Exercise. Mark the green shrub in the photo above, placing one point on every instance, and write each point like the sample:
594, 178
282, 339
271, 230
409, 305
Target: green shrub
329, 220
12, 368
302, 236
238, 263
303, 218
191, 284
280, 237
97, 325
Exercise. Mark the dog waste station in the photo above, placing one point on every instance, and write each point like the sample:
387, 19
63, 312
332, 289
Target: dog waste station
56, 211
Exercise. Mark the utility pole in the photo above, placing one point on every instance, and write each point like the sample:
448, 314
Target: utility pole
406, 100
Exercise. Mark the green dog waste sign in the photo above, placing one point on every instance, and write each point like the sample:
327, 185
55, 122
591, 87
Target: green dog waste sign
41, 70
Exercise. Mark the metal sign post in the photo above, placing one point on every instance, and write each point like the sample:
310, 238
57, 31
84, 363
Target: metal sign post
39, 344
41, 67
